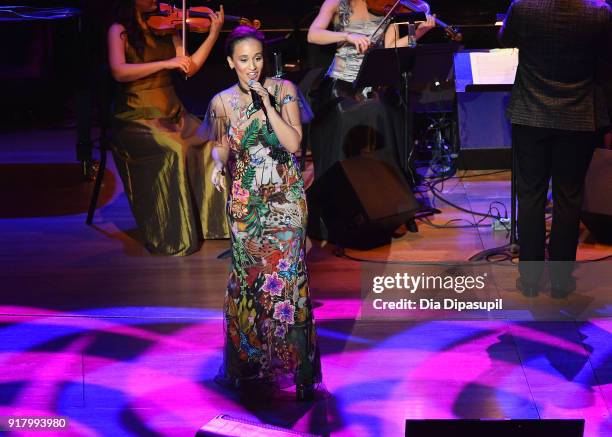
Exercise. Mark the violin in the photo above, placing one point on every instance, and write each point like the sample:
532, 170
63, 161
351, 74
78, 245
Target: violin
383, 7
168, 19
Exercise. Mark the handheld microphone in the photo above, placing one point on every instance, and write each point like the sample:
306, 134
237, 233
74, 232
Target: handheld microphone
257, 102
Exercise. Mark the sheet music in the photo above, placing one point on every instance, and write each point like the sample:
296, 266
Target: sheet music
495, 67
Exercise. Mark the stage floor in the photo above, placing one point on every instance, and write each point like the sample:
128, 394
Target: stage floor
127, 344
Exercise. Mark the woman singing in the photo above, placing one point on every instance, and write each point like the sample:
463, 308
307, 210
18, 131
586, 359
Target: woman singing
156, 150
270, 334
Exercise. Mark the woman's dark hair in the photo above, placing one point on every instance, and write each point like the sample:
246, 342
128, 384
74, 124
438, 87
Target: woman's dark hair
126, 16
241, 33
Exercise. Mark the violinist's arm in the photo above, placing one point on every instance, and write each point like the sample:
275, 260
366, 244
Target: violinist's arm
318, 33
125, 72
392, 38
201, 54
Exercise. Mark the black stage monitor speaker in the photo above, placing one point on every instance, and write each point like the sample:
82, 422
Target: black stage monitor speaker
495, 428
362, 200
228, 426
597, 206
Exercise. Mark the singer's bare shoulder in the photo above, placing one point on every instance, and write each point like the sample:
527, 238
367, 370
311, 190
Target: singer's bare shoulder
278, 83
222, 98
218, 102
227, 92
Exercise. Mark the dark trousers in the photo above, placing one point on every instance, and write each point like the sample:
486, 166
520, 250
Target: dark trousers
542, 154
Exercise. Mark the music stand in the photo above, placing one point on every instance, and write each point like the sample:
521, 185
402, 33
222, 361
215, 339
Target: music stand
410, 69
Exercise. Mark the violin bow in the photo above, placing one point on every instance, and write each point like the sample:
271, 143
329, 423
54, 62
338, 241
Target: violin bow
386, 18
184, 28
412, 6
450, 30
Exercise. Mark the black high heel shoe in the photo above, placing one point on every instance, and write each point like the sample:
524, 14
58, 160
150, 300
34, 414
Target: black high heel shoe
304, 393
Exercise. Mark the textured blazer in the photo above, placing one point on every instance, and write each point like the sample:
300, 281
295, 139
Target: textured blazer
561, 44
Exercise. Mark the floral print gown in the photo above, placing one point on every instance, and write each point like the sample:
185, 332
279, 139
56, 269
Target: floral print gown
270, 333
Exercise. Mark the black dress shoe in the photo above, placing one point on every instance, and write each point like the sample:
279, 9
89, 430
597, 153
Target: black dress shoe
411, 225
528, 289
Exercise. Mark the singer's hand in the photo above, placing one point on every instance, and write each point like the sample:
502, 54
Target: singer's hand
262, 92
218, 177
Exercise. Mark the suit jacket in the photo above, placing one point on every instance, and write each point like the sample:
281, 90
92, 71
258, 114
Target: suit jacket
605, 75
561, 43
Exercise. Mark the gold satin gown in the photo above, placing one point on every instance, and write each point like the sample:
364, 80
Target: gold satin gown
164, 166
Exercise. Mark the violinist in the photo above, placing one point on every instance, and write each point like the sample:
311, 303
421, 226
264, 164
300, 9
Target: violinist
156, 150
334, 130
353, 28
348, 120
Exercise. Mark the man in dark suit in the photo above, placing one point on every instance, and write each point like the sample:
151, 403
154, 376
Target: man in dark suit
556, 109
605, 76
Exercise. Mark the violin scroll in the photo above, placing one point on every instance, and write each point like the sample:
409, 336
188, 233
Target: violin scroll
382, 7
453, 34
246, 22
